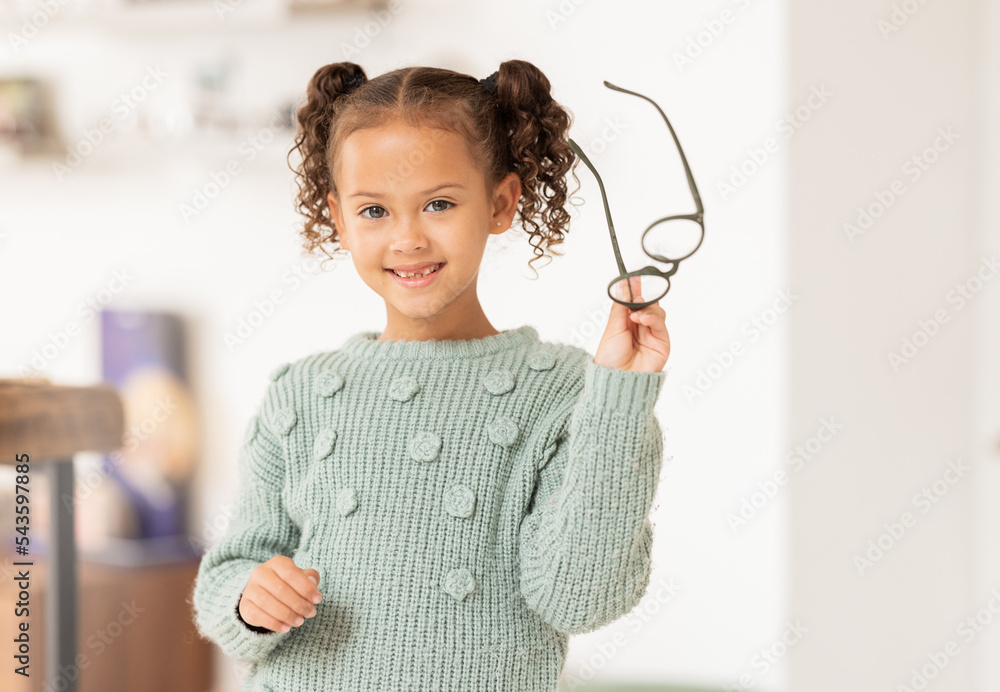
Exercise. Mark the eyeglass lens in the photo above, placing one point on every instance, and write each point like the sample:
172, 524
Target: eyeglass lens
671, 240
640, 289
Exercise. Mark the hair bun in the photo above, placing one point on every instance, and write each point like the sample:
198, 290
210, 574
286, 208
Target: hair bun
353, 81
490, 83
337, 79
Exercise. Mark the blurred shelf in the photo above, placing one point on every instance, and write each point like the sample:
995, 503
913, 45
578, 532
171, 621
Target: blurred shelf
124, 153
188, 17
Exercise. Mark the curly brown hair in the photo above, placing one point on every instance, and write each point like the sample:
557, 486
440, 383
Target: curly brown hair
517, 128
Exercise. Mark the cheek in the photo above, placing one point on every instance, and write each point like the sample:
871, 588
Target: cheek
471, 247
367, 255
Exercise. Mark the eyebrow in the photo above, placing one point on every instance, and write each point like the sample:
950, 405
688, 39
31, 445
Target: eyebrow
422, 194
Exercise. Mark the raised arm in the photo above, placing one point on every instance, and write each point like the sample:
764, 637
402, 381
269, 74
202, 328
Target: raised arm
585, 543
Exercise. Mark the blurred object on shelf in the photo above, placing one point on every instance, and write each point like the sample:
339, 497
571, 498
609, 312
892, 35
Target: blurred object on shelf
26, 117
143, 357
340, 5
213, 107
174, 120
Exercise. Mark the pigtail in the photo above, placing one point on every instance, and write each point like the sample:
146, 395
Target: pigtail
330, 84
539, 152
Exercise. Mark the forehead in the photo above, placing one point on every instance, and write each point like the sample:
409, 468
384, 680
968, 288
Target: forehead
403, 158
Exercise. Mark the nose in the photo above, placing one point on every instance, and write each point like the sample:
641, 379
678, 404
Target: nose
408, 235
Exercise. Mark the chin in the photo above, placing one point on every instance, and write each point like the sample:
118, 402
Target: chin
421, 311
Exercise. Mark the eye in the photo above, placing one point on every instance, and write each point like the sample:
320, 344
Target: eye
374, 206
441, 201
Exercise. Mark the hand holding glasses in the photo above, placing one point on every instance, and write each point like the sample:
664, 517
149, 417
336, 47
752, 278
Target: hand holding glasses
675, 238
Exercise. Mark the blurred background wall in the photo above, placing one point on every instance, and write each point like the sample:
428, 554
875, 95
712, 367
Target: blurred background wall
894, 530
791, 116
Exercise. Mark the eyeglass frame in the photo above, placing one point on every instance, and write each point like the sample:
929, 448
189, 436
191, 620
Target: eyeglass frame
698, 217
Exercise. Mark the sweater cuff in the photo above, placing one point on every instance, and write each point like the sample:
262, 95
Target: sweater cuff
621, 390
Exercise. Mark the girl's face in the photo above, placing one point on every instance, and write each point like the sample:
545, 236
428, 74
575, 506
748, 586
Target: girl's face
412, 199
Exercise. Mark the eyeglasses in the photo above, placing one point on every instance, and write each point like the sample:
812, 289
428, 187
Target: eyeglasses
669, 243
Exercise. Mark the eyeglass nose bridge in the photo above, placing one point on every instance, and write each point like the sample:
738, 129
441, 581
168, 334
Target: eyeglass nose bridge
698, 217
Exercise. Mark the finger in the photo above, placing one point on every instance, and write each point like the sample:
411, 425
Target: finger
635, 283
258, 616
630, 290
280, 587
618, 317
274, 607
642, 314
314, 594
655, 322
254, 615
645, 312
298, 578
306, 583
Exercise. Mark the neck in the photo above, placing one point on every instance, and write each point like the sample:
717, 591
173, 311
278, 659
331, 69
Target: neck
470, 323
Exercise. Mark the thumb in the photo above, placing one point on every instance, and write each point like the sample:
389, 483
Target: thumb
314, 575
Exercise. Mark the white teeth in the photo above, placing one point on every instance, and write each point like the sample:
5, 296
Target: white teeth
415, 275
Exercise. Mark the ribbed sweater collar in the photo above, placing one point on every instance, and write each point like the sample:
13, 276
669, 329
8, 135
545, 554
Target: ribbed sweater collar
364, 345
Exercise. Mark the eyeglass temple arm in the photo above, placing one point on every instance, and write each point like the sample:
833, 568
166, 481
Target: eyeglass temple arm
607, 211
687, 168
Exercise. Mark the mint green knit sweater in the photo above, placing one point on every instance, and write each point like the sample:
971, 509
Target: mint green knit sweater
468, 505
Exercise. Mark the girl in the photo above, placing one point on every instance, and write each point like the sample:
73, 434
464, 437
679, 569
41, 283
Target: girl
438, 505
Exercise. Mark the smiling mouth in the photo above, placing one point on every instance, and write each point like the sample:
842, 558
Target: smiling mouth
412, 276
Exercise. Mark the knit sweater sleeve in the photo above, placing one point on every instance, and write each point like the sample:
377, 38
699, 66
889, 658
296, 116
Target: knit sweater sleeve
585, 543
260, 529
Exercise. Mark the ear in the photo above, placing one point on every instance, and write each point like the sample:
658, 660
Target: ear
506, 195
338, 220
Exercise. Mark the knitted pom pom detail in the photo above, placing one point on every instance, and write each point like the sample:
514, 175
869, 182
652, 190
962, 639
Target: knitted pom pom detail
499, 382
251, 431
347, 501
284, 419
279, 371
324, 442
459, 501
541, 360
459, 583
403, 388
425, 446
328, 383
502, 431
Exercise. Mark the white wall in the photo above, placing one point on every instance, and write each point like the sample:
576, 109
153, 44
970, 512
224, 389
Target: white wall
986, 440
119, 211
870, 626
